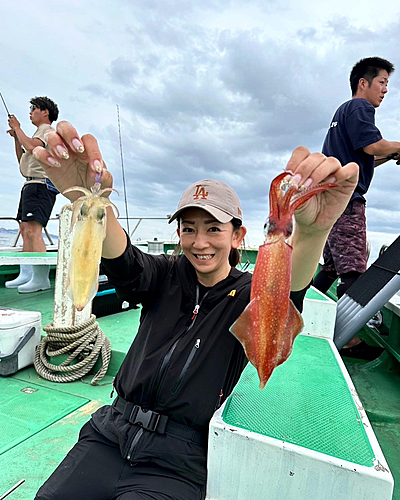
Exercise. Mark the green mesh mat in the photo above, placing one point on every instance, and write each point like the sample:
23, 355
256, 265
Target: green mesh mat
26, 409
306, 402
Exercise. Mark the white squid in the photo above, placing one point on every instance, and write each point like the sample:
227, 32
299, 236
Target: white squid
89, 223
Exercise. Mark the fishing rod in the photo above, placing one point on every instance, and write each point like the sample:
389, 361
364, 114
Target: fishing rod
5, 105
393, 156
123, 170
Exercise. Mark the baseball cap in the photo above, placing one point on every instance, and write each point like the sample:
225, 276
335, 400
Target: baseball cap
215, 197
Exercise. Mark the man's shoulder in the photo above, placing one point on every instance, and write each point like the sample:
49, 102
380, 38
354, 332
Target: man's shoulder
41, 131
358, 103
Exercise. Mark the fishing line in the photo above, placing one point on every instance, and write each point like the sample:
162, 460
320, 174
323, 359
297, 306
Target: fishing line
123, 170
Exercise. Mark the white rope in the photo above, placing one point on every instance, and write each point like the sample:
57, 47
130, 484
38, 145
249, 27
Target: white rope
84, 342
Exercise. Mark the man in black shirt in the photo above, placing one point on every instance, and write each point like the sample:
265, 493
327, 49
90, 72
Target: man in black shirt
353, 136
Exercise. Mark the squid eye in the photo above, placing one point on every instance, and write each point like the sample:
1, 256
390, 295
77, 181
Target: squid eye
285, 186
267, 227
100, 214
289, 229
84, 211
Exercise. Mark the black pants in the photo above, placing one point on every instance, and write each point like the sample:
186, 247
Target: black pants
95, 470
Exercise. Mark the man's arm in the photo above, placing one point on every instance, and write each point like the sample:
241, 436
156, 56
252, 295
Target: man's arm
28, 143
18, 148
382, 148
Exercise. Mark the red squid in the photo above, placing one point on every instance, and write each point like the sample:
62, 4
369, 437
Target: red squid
270, 323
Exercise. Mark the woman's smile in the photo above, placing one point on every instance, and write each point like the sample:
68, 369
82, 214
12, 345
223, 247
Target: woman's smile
207, 243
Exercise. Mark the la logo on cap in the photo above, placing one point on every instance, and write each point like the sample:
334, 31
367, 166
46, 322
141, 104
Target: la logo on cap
200, 192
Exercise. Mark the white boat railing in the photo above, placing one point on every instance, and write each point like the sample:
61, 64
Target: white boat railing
57, 218
19, 230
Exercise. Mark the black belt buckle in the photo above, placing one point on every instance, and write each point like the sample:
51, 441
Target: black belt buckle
147, 419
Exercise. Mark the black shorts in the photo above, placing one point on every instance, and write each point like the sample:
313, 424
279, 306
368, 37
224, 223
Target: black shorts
95, 470
36, 203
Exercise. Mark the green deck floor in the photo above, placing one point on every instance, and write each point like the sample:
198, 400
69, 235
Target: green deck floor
45, 406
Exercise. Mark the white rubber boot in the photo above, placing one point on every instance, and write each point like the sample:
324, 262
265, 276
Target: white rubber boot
40, 280
25, 275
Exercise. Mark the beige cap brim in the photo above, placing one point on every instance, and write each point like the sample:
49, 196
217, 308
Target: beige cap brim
219, 215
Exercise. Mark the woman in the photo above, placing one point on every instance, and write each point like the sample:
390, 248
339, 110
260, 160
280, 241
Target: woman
151, 443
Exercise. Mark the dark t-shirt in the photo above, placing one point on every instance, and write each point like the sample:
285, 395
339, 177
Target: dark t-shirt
352, 128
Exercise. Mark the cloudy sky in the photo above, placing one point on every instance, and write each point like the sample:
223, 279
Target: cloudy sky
206, 89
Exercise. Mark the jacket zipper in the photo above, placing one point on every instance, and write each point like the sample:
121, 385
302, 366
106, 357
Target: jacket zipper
163, 369
186, 365
134, 443
167, 357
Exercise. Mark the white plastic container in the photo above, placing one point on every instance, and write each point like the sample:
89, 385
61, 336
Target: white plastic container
19, 336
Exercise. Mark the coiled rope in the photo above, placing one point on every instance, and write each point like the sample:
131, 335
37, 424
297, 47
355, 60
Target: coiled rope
84, 342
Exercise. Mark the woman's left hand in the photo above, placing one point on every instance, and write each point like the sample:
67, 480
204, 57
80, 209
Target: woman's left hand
309, 169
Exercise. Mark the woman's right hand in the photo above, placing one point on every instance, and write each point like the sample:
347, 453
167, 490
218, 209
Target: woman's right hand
71, 160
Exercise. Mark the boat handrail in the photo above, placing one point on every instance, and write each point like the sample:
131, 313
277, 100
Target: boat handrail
19, 230
139, 219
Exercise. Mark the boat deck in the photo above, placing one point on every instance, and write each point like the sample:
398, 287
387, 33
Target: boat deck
40, 420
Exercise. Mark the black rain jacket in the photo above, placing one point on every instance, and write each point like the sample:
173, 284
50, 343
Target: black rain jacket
183, 363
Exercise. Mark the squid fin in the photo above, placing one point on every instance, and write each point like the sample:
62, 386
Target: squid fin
242, 329
294, 325
92, 293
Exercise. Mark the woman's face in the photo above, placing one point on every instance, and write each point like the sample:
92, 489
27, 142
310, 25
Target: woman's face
207, 244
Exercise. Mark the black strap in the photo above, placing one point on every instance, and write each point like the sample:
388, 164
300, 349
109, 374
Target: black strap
155, 422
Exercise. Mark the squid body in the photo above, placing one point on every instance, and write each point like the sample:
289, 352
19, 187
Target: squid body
89, 219
270, 323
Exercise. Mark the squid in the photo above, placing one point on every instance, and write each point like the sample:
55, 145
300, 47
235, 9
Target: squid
89, 222
270, 323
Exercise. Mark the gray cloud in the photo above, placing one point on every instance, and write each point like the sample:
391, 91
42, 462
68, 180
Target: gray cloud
205, 89
122, 71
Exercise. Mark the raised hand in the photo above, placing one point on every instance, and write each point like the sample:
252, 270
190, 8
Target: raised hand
13, 123
320, 212
70, 160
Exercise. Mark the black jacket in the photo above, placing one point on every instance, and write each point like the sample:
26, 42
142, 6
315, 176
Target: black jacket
182, 363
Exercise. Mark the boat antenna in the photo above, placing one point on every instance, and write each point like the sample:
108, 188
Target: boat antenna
123, 170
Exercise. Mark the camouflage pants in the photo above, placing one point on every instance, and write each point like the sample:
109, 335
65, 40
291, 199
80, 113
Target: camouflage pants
346, 247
